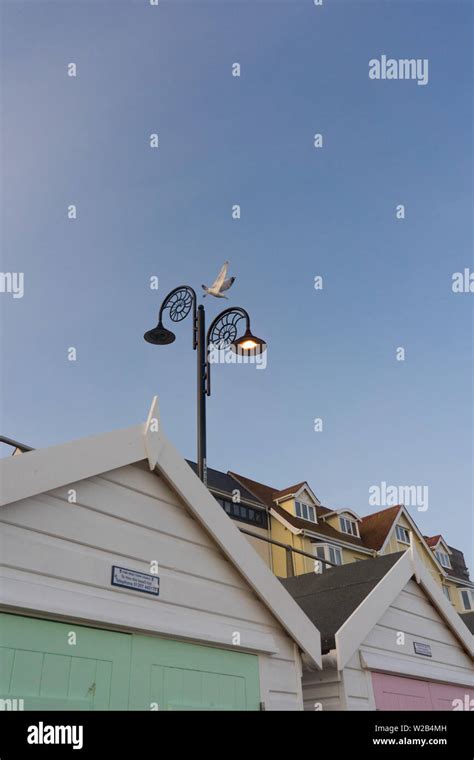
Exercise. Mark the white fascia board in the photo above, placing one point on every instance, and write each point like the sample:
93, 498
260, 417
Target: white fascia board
176, 471
359, 624
46, 469
287, 525
420, 536
462, 583
296, 494
445, 545
339, 542
417, 531
389, 534
306, 487
446, 609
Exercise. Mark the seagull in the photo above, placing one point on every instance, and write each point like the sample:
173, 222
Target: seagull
219, 284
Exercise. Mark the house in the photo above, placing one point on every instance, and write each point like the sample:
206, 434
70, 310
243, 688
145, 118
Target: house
294, 518
124, 585
390, 638
458, 587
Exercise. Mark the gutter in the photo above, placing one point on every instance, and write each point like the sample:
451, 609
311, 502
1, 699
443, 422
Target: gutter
337, 542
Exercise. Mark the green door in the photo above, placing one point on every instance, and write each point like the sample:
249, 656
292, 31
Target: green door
104, 670
40, 664
174, 675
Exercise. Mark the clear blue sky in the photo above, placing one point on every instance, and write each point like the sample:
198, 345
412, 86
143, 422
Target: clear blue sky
305, 212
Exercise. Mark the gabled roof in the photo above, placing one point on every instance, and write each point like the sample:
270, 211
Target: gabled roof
265, 494
269, 495
320, 528
433, 540
375, 528
295, 491
330, 598
290, 491
349, 600
387, 520
47, 469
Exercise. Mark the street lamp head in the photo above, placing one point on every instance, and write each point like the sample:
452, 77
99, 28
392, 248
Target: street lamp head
160, 336
248, 344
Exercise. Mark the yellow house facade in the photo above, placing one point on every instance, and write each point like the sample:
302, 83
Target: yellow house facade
297, 519
295, 534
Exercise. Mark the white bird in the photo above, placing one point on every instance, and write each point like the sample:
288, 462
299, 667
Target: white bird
220, 283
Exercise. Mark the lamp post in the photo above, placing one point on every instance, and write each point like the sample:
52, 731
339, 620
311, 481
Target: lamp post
222, 334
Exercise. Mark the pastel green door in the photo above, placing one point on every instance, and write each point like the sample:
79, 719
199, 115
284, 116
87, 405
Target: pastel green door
174, 675
64, 666
41, 664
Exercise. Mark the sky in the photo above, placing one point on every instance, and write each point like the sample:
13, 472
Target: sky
166, 212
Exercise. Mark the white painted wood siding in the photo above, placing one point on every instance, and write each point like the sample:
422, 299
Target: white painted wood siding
411, 613
322, 689
56, 559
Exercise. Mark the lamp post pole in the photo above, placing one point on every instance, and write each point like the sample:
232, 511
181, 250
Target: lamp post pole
201, 394
222, 334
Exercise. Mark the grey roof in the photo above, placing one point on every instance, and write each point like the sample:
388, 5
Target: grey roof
329, 598
458, 565
221, 481
468, 618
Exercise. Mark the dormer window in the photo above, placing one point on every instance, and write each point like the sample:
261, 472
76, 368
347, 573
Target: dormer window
349, 526
443, 559
403, 535
305, 511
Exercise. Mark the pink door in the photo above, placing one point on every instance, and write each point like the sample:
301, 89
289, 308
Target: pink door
444, 694
400, 693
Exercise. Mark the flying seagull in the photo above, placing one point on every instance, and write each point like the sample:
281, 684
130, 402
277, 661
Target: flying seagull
220, 283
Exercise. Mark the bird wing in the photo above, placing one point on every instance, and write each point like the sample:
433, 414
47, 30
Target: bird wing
217, 284
227, 283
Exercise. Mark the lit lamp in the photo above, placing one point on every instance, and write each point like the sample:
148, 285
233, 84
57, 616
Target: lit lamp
222, 334
248, 343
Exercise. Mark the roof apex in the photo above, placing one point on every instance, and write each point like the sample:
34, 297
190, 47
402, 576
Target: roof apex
46, 469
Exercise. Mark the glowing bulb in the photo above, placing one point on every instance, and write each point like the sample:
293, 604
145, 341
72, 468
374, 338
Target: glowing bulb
246, 345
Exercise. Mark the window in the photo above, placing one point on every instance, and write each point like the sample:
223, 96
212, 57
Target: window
349, 526
305, 511
402, 534
447, 593
327, 552
466, 598
244, 513
443, 558
335, 555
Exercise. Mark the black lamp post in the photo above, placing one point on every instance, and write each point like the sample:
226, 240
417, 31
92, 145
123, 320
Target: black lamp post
222, 334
